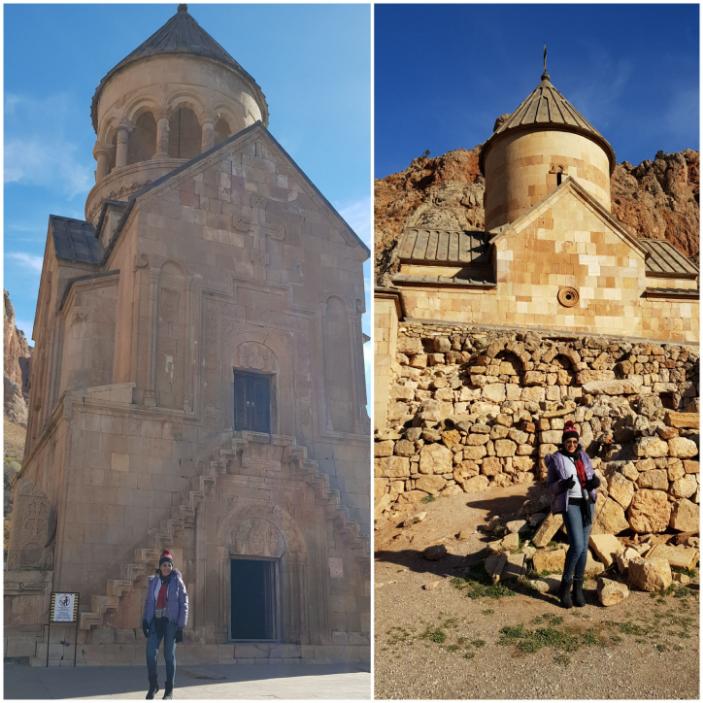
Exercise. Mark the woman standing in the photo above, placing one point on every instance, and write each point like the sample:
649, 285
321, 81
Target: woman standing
165, 616
573, 484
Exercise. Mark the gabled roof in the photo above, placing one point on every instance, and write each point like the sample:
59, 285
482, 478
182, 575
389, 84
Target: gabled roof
569, 185
239, 136
545, 108
180, 35
75, 240
663, 259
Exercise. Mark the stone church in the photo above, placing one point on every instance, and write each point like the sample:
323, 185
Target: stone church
487, 341
198, 382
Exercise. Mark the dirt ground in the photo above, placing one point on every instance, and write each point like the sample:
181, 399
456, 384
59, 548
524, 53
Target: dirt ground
432, 641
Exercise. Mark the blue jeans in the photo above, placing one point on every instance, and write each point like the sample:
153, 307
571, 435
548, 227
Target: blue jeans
577, 534
152, 647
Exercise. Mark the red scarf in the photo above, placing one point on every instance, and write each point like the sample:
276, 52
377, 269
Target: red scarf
581, 471
161, 598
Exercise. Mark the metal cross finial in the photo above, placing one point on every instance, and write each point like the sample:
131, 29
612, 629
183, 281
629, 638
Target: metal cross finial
545, 73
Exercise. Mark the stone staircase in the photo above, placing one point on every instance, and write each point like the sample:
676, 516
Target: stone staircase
225, 459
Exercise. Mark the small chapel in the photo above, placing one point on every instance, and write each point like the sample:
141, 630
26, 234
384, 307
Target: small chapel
552, 255
197, 383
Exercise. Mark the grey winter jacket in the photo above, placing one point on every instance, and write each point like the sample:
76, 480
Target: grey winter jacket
176, 599
557, 471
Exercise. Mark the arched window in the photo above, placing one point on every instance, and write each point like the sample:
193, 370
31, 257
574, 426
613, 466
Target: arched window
222, 130
184, 134
142, 139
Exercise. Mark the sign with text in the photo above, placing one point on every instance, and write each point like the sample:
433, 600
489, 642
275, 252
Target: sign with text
64, 607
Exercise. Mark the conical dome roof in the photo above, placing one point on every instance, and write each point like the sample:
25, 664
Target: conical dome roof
180, 35
546, 108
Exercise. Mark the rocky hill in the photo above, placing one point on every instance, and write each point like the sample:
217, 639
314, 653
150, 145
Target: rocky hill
658, 198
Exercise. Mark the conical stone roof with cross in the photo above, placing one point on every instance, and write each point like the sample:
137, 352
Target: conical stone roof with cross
180, 35
545, 108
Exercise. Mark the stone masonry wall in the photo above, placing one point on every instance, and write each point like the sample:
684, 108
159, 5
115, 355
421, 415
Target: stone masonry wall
473, 407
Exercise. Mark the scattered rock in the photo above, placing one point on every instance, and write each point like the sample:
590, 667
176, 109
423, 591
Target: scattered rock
549, 560
516, 525
610, 517
683, 557
606, 547
547, 529
685, 516
611, 592
435, 552
649, 574
415, 519
511, 542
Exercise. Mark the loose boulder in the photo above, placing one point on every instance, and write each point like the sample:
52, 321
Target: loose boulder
649, 511
606, 547
547, 529
649, 574
611, 592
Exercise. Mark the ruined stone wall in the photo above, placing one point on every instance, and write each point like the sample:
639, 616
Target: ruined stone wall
473, 407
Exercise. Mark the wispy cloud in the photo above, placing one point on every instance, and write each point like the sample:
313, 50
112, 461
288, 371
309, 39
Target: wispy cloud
37, 152
33, 161
358, 215
27, 260
681, 115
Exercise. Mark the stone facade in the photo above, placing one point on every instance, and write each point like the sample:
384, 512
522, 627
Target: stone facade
227, 262
472, 407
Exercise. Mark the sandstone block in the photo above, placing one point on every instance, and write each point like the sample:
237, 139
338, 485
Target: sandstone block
547, 529
683, 448
535, 378
418, 361
630, 471
499, 432
490, 466
495, 564
435, 459
516, 525
593, 566
404, 447
675, 470
611, 592
549, 560
610, 517
649, 511
477, 439
393, 467
430, 484
652, 447
606, 547
685, 516
622, 560
691, 467
533, 394
476, 483
450, 438
409, 345
682, 420
383, 448
684, 487
611, 387
511, 542
475, 453
552, 437
505, 447
621, 489
412, 496
523, 463
667, 433
415, 519
518, 437
679, 556
656, 479
649, 574
494, 392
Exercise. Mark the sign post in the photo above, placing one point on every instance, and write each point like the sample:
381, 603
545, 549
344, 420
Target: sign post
63, 608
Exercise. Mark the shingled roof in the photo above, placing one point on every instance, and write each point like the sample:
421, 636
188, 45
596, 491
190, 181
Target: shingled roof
75, 240
663, 259
546, 108
180, 35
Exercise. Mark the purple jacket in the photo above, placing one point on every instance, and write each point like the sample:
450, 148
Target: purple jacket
176, 599
557, 471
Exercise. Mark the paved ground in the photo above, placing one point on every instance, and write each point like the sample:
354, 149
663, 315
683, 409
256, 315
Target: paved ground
220, 681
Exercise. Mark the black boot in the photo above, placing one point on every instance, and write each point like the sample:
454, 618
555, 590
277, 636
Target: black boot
565, 593
579, 600
153, 690
168, 691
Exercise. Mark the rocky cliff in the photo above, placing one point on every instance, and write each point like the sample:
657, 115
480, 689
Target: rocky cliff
16, 367
658, 198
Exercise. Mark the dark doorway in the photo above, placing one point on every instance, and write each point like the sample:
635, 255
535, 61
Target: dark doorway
253, 599
252, 401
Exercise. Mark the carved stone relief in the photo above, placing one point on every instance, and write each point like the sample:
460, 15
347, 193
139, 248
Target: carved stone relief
33, 529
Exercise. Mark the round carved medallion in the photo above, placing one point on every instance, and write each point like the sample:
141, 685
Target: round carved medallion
568, 296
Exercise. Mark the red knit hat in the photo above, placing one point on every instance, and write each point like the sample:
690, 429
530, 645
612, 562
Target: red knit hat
166, 556
570, 431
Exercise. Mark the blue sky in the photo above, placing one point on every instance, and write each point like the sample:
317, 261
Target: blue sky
443, 73
312, 62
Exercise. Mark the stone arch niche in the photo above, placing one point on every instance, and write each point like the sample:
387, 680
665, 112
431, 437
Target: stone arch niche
170, 337
222, 130
510, 367
184, 133
142, 139
259, 530
339, 376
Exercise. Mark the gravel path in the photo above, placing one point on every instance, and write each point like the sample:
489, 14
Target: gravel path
432, 641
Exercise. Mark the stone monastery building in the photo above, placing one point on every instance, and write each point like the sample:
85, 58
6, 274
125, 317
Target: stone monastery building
552, 256
198, 382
